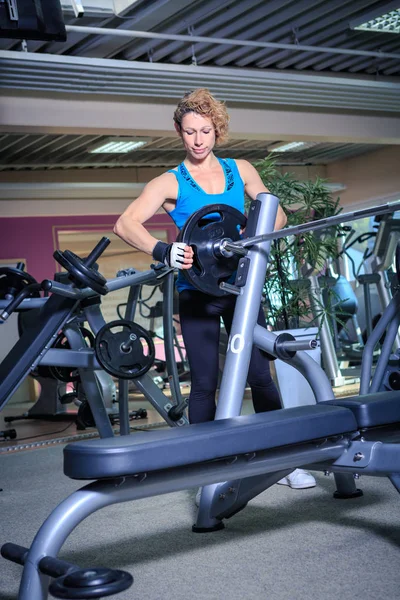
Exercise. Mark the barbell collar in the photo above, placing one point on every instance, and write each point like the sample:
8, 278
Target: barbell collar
232, 289
227, 248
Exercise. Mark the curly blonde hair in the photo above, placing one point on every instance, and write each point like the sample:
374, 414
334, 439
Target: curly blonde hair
202, 102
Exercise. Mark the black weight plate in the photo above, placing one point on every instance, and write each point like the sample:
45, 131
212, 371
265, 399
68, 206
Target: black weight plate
91, 583
69, 374
119, 349
398, 261
90, 273
13, 280
83, 275
202, 229
63, 374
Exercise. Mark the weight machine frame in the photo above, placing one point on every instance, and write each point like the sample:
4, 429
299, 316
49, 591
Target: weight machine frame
58, 312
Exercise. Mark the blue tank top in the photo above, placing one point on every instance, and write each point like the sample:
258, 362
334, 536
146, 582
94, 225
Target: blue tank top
191, 197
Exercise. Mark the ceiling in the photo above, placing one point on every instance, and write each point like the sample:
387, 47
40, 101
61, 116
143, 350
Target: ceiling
34, 152
318, 23
293, 52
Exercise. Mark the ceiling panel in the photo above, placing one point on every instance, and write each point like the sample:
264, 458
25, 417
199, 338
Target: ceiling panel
324, 24
21, 152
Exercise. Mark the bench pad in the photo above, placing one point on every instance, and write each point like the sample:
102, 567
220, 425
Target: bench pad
373, 410
180, 446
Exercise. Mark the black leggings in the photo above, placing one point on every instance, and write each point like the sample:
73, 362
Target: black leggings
200, 323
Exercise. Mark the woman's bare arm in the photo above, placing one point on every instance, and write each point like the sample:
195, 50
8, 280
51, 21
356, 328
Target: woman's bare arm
129, 226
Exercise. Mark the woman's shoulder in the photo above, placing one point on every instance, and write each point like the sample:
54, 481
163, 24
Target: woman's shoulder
240, 166
245, 168
239, 163
165, 183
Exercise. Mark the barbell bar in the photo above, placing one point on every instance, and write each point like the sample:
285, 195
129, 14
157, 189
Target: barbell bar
239, 247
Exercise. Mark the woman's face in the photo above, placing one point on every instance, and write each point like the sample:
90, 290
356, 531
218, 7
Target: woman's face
198, 135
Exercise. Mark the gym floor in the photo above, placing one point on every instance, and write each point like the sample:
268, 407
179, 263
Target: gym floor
36, 433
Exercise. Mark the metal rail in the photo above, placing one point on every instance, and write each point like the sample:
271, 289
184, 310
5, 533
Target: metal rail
237, 247
131, 33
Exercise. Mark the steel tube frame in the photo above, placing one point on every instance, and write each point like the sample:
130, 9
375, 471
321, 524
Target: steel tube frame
131, 33
312, 226
245, 332
91, 498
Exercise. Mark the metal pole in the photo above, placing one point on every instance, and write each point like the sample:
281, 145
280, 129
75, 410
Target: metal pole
312, 226
329, 358
228, 41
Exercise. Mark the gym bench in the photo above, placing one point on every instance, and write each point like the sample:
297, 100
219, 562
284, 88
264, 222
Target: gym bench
249, 453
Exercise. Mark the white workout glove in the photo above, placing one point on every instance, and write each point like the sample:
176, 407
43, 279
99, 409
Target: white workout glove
171, 255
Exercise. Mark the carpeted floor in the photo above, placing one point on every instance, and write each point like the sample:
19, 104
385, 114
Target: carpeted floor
286, 545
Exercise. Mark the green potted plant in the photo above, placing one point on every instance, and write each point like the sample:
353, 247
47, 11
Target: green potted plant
292, 300
293, 259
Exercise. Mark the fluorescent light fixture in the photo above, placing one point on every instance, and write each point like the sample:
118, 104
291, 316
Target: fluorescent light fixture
380, 22
290, 146
88, 8
118, 146
121, 7
97, 8
387, 23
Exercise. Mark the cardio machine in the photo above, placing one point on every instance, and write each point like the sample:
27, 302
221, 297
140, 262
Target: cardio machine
247, 454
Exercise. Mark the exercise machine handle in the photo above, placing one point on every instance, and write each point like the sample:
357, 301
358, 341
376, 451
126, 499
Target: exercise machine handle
24, 293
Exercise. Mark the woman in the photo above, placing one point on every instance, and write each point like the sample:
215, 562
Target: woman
201, 179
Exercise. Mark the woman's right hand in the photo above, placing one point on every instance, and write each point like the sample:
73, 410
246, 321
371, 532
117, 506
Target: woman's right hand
180, 256
176, 255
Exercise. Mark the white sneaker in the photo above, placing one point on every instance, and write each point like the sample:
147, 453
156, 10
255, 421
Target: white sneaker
198, 496
298, 480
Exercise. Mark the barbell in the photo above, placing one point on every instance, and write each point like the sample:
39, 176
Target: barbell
214, 234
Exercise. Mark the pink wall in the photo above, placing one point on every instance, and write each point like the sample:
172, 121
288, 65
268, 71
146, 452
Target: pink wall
34, 238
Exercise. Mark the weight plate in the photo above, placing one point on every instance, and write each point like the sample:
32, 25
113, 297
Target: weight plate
13, 281
81, 273
202, 229
90, 273
91, 583
69, 374
124, 349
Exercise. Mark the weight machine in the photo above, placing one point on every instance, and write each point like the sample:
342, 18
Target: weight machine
248, 453
124, 350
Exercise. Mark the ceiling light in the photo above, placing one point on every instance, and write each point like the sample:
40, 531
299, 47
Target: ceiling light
290, 146
389, 22
121, 7
97, 7
118, 146
88, 7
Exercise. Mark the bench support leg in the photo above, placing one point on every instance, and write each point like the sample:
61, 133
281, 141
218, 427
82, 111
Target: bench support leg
346, 487
52, 535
